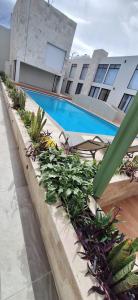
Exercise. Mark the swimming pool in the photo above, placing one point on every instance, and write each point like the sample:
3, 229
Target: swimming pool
71, 117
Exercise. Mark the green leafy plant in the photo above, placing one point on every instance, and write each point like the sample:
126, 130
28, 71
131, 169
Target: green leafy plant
44, 143
121, 260
37, 123
67, 178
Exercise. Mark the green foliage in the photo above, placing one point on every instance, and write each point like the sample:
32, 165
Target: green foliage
67, 178
22, 99
37, 124
129, 167
121, 261
26, 117
15, 98
3, 76
10, 85
129, 283
106, 223
18, 97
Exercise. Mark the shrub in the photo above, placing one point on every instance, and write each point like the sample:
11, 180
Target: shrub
18, 98
37, 124
10, 85
26, 117
3, 76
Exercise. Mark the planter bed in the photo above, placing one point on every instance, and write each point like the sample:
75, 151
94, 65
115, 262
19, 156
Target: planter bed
58, 234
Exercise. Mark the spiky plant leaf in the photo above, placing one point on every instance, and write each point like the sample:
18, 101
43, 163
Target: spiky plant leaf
129, 283
125, 270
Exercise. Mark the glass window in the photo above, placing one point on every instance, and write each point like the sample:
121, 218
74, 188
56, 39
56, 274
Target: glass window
126, 102
101, 71
79, 88
133, 84
94, 91
73, 70
104, 94
84, 71
68, 86
111, 74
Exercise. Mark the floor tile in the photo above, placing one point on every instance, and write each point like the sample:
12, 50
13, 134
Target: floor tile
37, 259
25, 294
44, 289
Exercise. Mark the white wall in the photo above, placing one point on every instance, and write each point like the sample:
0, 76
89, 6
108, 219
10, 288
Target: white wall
93, 62
99, 107
120, 85
4, 46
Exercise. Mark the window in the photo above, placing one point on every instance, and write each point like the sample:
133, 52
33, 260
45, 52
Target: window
94, 91
104, 94
84, 71
133, 84
79, 88
73, 70
111, 74
101, 71
126, 102
68, 86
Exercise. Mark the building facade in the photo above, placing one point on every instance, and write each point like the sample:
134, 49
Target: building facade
113, 80
41, 39
4, 46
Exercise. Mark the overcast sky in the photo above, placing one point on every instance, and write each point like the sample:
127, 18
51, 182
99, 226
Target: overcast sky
108, 24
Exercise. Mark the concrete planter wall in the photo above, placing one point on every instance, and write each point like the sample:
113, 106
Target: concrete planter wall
58, 234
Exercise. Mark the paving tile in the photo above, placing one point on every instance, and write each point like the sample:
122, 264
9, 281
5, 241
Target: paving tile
13, 258
37, 258
25, 294
44, 289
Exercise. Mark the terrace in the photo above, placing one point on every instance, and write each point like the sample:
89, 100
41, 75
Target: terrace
58, 234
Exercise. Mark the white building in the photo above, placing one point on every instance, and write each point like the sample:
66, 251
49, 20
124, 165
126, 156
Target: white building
4, 46
111, 79
41, 39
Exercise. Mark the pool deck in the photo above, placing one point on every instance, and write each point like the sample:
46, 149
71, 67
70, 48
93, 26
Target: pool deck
25, 272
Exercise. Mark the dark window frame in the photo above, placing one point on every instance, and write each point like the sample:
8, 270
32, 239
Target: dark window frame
121, 102
106, 96
68, 85
78, 90
95, 88
136, 69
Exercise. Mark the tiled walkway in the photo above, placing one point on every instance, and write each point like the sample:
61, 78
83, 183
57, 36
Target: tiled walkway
24, 269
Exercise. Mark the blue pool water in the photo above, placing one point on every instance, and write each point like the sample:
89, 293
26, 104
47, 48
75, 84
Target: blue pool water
71, 117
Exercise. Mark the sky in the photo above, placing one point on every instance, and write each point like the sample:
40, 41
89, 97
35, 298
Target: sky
102, 24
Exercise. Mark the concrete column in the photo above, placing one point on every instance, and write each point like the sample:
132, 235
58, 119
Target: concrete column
59, 84
17, 74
